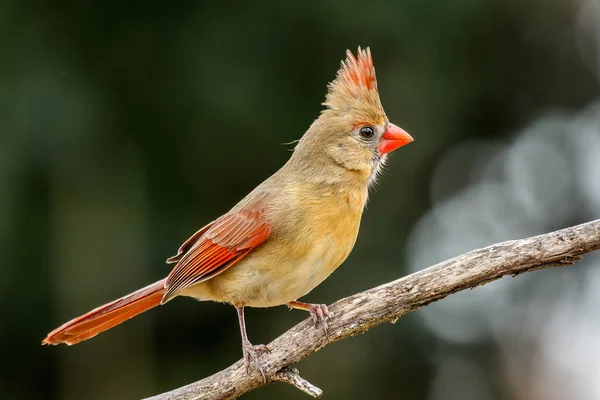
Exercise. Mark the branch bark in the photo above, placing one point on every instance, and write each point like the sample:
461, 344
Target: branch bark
357, 313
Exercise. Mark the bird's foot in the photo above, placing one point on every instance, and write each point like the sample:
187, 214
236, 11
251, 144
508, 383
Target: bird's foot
251, 354
320, 314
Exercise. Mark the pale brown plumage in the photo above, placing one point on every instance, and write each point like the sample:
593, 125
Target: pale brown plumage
292, 231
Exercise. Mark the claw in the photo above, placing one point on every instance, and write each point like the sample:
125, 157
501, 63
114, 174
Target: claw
251, 354
320, 314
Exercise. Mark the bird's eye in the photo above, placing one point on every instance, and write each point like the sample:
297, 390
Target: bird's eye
367, 132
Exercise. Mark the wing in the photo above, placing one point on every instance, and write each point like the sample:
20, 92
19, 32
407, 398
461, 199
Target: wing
188, 244
215, 248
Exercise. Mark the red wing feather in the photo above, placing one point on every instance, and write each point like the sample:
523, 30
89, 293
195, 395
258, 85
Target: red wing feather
217, 247
188, 244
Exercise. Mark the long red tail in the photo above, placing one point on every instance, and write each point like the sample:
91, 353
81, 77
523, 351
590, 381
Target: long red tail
105, 317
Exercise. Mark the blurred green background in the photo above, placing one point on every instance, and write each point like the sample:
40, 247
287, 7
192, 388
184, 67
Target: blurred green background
126, 126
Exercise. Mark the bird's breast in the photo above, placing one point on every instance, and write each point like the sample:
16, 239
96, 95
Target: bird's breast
306, 262
316, 237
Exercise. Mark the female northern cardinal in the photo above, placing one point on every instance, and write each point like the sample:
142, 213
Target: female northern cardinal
288, 234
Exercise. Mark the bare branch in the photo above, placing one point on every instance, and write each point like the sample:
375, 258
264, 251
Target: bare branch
357, 313
292, 376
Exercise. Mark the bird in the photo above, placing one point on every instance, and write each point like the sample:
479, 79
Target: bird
288, 234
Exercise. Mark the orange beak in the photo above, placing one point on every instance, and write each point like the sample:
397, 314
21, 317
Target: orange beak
393, 138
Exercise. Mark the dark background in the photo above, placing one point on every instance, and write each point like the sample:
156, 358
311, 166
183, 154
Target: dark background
126, 126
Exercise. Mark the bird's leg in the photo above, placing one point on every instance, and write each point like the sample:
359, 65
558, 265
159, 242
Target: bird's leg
251, 352
318, 312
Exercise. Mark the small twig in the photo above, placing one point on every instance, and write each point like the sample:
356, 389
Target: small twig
292, 376
357, 313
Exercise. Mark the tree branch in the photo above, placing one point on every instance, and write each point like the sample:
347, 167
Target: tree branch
357, 313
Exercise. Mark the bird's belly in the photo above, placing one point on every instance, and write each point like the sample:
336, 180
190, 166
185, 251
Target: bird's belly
300, 255
263, 280
294, 279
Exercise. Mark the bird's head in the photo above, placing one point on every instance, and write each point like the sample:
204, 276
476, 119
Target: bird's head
354, 131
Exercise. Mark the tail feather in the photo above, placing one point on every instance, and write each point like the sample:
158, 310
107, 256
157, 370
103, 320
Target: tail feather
107, 316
